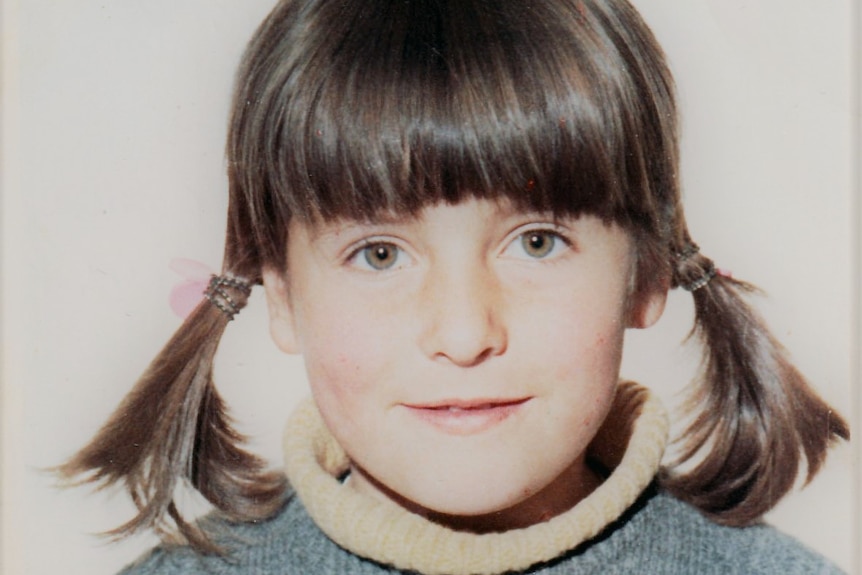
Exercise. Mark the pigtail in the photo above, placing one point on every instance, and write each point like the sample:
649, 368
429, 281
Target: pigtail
755, 414
172, 428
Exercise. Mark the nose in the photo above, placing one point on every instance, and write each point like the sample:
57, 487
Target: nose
464, 317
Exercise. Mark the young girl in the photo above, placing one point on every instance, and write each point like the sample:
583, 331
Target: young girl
455, 212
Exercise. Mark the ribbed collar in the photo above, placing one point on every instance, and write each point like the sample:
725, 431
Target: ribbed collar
630, 444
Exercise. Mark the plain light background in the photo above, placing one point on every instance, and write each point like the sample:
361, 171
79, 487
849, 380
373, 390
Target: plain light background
114, 120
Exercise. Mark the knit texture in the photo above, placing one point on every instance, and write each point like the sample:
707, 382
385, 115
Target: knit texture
625, 526
658, 535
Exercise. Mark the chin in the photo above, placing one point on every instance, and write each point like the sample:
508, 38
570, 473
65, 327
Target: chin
470, 506
473, 499
499, 499
436, 496
487, 515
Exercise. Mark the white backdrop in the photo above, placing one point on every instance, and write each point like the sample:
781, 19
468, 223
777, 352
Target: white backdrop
114, 119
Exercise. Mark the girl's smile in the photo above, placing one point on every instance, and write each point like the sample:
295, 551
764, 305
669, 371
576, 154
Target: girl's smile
460, 345
467, 416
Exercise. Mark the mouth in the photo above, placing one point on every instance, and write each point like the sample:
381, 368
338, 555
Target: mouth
466, 416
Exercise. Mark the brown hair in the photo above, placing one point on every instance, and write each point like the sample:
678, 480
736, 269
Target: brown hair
347, 109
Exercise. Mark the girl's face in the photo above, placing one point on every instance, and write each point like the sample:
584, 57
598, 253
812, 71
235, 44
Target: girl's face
465, 357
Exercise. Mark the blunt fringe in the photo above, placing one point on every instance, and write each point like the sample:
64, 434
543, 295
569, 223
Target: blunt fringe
361, 108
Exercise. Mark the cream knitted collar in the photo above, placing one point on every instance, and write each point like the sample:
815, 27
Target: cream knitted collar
630, 443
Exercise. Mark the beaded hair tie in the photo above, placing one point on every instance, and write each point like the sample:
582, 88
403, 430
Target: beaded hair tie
708, 271
218, 295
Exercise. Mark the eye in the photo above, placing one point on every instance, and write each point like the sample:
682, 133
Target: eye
537, 245
379, 256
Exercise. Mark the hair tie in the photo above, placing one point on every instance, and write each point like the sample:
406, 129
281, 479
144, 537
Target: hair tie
688, 250
217, 293
707, 269
698, 283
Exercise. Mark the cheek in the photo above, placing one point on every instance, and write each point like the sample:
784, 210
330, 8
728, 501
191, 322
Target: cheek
584, 343
578, 362
345, 354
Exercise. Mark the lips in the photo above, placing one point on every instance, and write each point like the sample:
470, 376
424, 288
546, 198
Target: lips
466, 416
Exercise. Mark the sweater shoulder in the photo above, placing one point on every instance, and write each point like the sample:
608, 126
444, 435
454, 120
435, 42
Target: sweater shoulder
679, 539
244, 545
288, 542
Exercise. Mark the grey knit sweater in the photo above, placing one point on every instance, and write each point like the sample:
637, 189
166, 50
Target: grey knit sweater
658, 535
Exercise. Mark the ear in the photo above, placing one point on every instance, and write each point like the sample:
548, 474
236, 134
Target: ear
647, 304
282, 322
